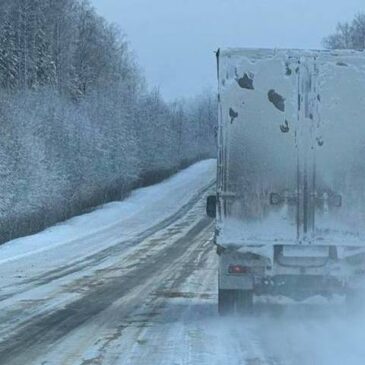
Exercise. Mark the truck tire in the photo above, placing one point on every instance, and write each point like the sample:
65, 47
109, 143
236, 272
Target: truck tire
235, 301
226, 302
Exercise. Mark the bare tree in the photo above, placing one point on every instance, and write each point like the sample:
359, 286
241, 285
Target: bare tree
348, 35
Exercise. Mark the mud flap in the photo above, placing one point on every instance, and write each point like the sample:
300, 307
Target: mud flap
235, 302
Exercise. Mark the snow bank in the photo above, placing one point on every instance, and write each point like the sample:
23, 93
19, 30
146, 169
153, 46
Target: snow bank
144, 208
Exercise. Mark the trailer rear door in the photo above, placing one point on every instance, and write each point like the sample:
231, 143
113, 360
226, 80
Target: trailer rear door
291, 141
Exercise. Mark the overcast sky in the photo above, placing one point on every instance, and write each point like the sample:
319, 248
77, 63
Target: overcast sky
174, 40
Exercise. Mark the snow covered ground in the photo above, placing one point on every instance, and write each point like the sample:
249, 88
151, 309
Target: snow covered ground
135, 283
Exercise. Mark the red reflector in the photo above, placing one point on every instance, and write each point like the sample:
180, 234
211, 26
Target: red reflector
238, 269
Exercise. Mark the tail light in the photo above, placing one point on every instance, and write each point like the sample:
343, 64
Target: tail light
238, 269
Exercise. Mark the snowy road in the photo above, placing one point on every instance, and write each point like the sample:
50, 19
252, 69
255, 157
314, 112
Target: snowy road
134, 283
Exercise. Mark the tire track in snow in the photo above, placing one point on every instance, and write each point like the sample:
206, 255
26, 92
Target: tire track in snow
21, 309
43, 331
115, 250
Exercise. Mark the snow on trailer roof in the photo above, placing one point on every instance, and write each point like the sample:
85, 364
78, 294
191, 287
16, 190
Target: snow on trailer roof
291, 141
264, 52
234, 55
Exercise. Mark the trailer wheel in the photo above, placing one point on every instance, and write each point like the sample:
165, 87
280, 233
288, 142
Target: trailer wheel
226, 302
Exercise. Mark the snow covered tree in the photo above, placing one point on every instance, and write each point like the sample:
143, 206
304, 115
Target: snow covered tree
348, 35
8, 56
80, 127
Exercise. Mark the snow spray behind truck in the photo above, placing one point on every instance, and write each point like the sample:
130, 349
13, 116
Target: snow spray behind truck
290, 203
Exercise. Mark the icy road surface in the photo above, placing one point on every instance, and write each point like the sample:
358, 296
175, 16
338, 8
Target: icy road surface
135, 283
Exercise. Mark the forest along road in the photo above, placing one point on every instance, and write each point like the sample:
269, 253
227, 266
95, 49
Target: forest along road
135, 283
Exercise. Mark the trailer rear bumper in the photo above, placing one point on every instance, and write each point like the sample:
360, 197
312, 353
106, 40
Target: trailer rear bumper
300, 287
284, 272
236, 282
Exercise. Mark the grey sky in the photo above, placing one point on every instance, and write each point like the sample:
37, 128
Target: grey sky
174, 40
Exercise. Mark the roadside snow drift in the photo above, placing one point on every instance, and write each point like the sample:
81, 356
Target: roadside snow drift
144, 208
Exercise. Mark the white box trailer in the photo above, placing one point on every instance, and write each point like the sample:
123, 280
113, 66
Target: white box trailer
290, 203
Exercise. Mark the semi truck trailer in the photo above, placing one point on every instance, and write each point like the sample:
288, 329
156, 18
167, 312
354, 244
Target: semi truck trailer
290, 197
